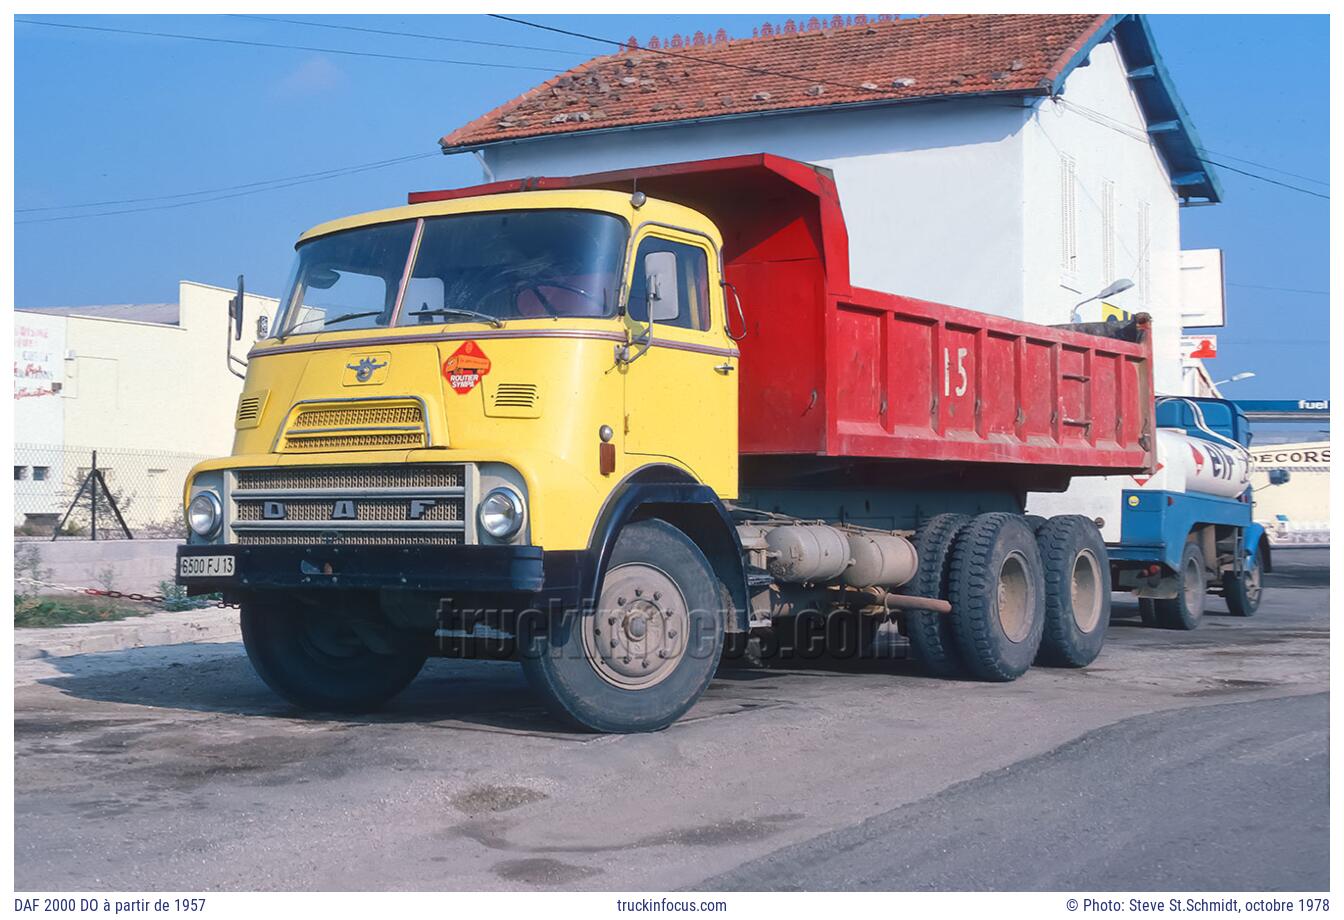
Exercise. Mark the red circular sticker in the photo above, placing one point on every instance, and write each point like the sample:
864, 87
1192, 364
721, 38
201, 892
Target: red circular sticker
465, 367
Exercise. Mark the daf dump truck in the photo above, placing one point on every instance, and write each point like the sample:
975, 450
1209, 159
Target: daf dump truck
621, 423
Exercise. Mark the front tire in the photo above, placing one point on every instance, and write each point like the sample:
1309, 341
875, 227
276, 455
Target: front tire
326, 660
998, 596
1243, 592
643, 656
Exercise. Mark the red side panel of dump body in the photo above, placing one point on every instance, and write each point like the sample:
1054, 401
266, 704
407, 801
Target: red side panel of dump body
832, 370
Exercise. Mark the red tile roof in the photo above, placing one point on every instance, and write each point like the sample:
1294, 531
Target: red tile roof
810, 67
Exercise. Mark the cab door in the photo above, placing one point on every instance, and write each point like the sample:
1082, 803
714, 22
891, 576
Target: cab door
681, 367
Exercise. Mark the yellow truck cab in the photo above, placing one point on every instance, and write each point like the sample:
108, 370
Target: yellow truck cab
449, 398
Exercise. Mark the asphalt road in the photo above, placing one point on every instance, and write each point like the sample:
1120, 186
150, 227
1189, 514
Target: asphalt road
1182, 761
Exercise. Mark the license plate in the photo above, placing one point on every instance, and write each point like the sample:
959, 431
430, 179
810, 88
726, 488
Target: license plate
205, 566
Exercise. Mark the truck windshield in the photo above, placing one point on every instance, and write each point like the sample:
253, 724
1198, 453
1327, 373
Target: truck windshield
484, 267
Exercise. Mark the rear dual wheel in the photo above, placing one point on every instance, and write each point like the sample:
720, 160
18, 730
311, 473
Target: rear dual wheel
1077, 576
997, 594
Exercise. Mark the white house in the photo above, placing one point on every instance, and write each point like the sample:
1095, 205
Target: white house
145, 385
1013, 164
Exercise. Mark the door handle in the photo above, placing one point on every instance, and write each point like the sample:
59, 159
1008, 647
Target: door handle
725, 368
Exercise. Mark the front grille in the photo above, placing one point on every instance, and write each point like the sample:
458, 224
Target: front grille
358, 416
426, 476
307, 538
369, 509
416, 505
355, 424
347, 441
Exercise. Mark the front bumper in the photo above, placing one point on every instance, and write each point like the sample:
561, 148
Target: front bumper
466, 568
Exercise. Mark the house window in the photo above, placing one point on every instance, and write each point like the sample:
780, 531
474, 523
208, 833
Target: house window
1068, 218
1107, 232
40, 473
20, 473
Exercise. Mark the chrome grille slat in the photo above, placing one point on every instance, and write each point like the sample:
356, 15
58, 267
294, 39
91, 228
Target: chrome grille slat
437, 475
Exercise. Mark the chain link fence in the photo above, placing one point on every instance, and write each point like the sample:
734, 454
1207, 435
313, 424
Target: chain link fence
53, 480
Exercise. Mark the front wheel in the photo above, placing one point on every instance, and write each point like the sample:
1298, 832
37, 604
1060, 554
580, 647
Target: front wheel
643, 656
329, 660
1243, 592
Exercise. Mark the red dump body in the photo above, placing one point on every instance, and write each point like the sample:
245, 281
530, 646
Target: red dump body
833, 370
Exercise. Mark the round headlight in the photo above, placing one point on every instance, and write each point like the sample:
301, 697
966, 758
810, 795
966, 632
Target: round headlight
204, 514
501, 513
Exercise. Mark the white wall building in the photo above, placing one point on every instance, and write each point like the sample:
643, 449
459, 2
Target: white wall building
143, 384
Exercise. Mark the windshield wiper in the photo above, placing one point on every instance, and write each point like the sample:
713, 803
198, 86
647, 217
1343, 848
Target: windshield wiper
453, 311
344, 317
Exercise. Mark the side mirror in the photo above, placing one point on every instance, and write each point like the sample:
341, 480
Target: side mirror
263, 326
660, 271
1279, 477
236, 311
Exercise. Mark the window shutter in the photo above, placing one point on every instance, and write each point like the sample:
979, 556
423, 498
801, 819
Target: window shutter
1107, 232
1068, 215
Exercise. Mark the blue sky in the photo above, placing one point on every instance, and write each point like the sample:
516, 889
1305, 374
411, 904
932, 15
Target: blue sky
108, 117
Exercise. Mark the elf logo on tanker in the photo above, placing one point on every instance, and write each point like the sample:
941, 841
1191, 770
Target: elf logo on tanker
465, 367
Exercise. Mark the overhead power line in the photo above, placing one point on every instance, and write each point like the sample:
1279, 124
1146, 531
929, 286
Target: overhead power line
257, 44
422, 35
1266, 287
321, 174
1140, 134
237, 194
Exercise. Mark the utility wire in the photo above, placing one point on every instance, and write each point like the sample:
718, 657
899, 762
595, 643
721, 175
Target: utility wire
238, 194
322, 174
1140, 135
256, 44
1287, 185
437, 38
1265, 287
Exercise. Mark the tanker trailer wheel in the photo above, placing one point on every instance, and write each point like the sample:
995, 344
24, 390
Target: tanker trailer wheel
932, 642
1077, 591
1186, 609
998, 596
1243, 592
642, 658
329, 660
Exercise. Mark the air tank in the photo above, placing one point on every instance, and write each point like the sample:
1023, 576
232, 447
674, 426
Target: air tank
880, 560
807, 552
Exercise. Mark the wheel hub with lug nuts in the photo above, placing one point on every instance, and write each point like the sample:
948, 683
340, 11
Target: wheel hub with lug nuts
637, 635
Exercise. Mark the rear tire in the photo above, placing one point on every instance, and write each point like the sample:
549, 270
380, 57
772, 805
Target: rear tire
1077, 577
932, 641
1243, 592
1035, 522
998, 596
1186, 609
326, 661
643, 656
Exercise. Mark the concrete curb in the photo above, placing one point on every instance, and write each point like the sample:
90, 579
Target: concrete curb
211, 624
